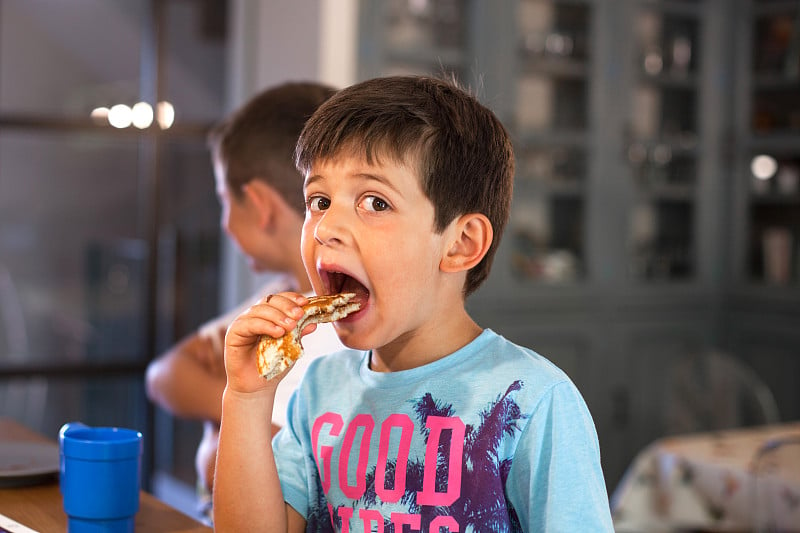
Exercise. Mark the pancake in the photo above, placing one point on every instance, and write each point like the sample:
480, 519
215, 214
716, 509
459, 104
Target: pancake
276, 355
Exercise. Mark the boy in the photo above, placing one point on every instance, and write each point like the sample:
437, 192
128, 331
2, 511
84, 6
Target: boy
428, 420
261, 194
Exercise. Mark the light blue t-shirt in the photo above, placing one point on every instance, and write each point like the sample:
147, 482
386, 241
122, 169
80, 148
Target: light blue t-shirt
493, 437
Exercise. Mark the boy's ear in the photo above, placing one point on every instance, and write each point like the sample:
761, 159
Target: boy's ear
473, 235
260, 195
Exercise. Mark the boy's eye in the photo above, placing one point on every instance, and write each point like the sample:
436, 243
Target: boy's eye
373, 203
318, 203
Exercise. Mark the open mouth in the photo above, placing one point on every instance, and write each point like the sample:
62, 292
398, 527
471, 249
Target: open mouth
338, 282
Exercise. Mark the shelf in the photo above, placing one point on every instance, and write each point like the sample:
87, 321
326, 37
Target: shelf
685, 145
688, 8
561, 137
774, 7
775, 199
681, 81
776, 143
452, 57
669, 192
773, 82
557, 67
785, 297
550, 187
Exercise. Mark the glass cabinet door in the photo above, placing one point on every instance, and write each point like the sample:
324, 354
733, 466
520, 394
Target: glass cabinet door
772, 250
550, 123
556, 71
415, 37
662, 140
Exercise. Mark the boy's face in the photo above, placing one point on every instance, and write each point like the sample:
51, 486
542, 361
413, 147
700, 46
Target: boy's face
369, 229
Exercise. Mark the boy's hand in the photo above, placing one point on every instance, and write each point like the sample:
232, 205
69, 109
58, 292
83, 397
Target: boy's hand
274, 316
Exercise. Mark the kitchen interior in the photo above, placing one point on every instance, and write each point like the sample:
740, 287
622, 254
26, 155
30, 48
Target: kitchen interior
656, 215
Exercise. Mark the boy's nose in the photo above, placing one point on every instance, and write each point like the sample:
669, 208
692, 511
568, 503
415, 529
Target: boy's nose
329, 229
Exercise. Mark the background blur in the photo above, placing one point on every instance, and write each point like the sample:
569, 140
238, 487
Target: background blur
656, 212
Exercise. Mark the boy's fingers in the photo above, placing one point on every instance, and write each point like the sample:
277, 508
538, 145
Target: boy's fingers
309, 328
283, 298
293, 296
289, 304
249, 328
264, 319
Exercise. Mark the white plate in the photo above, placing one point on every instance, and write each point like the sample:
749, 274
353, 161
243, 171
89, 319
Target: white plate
23, 463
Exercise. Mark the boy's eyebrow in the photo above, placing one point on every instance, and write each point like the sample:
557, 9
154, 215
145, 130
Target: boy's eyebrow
311, 179
380, 179
363, 175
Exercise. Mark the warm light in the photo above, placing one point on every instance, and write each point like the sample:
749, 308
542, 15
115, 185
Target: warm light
763, 167
142, 115
558, 44
418, 7
120, 116
100, 115
637, 153
662, 154
653, 63
681, 52
165, 115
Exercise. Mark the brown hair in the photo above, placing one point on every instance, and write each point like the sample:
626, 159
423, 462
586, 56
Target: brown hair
462, 153
257, 141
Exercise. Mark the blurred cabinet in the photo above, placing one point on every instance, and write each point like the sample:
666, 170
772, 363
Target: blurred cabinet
663, 138
761, 303
549, 115
407, 36
616, 242
576, 81
768, 129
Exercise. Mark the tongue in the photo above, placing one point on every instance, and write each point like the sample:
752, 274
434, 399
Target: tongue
361, 292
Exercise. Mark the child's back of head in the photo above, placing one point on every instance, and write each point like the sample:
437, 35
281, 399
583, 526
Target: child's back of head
258, 140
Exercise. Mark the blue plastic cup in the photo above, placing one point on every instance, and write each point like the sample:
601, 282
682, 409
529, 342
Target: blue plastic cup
100, 477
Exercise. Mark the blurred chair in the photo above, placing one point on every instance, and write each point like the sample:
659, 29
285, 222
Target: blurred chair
711, 390
687, 393
20, 398
776, 490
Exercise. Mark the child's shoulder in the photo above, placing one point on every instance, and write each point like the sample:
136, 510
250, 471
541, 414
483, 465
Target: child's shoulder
508, 356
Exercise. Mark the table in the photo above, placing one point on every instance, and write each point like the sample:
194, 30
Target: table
703, 482
40, 508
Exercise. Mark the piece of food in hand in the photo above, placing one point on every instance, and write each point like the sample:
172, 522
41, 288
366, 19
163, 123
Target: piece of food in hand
276, 355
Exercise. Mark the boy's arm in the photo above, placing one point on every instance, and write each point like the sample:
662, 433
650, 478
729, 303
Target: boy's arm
188, 380
556, 464
247, 491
